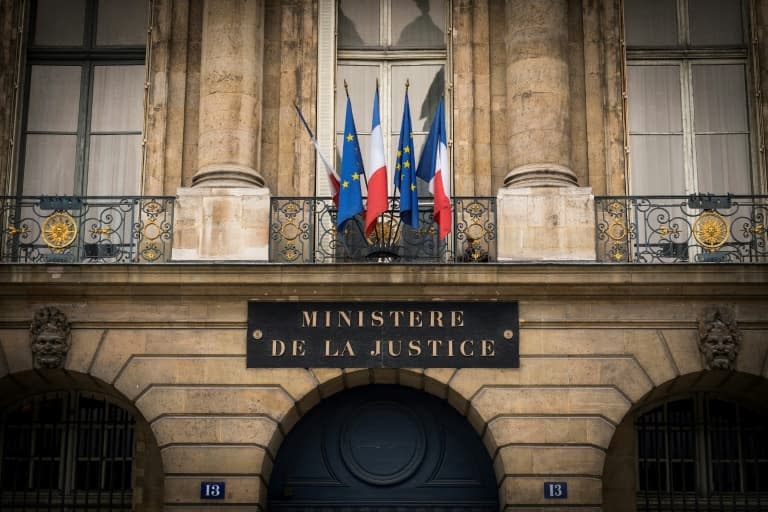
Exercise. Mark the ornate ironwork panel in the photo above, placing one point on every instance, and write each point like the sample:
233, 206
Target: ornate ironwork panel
86, 229
303, 230
698, 228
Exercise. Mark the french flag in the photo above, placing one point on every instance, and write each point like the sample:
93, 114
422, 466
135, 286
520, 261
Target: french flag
433, 168
378, 200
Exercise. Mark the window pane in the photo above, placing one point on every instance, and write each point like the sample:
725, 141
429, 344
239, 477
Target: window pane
54, 98
720, 100
122, 23
59, 23
118, 93
114, 165
426, 89
49, 164
654, 99
722, 164
715, 22
362, 84
650, 22
358, 23
418, 23
657, 164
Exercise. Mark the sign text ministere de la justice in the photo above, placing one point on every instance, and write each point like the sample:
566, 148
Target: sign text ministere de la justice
383, 335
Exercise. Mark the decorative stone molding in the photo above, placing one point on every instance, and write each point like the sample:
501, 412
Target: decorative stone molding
719, 338
49, 338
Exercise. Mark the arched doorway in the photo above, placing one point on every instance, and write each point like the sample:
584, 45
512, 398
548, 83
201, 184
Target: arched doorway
383, 448
697, 443
65, 450
69, 442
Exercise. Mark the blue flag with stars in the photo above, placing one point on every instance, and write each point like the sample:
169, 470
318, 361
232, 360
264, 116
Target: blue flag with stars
405, 171
350, 193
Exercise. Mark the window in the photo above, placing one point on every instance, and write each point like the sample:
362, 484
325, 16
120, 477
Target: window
688, 101
390, 41
702, 451
82, 128
66, 450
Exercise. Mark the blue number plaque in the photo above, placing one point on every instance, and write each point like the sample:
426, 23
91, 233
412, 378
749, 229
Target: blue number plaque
212, 490
555, 490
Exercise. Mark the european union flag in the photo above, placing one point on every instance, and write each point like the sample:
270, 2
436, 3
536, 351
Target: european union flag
352, 171
405, 171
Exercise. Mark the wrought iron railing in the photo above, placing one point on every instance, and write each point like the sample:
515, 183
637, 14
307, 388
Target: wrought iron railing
303, 230
86, 229
697, 228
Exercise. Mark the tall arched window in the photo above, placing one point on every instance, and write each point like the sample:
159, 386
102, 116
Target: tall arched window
66, 451
700, 452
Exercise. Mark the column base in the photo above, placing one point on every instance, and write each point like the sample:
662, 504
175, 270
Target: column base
546, 224
227, 175
221, 224
540, 175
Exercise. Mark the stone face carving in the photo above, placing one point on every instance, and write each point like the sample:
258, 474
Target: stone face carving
719, 338
50, 338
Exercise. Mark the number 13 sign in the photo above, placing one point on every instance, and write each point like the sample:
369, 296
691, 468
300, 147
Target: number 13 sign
555, 490
212, 490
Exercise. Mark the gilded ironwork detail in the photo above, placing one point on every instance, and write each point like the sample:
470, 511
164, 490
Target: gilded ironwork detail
673, 229
711, 230
69, 229
303, 230
59, 231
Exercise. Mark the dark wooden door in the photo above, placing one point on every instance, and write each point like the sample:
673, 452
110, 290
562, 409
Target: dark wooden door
383, 449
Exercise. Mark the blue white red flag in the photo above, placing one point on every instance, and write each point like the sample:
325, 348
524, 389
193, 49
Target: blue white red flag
352, 171
433, 168
405, 170
378, 198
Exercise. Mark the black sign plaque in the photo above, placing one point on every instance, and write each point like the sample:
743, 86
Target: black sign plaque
383, 335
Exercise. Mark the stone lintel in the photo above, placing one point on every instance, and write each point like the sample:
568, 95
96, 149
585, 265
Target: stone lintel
546, 224
221, 223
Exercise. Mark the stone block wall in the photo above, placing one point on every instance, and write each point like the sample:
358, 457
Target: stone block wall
174, 349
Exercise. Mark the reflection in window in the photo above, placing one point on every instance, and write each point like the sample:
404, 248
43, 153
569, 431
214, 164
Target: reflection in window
367, 31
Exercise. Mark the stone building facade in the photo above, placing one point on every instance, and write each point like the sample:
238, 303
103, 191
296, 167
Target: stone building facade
539, 116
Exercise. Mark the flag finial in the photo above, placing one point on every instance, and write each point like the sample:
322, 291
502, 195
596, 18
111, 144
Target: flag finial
407, 84
346, 88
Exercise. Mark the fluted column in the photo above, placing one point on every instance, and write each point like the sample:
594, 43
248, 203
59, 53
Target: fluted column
231, 94
538, 105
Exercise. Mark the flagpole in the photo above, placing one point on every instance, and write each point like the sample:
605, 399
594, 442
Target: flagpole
346, 90
313, 139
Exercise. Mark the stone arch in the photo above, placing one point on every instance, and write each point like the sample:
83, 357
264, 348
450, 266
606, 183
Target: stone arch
331, 381
619, 480
366, 389
147, 468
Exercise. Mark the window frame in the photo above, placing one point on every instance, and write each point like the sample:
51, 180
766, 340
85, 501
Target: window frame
87, 57
705, 489
330, 57
685, 57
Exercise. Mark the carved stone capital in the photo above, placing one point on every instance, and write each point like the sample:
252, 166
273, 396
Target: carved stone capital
719, 338
49, 338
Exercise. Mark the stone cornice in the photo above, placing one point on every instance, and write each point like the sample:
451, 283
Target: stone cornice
372, 282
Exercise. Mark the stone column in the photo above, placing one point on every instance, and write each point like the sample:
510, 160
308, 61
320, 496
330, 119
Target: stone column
542, 214
225, 214
538, 106
230, 94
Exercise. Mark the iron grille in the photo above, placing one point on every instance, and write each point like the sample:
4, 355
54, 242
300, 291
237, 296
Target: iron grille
303, 230
667, 229
702, 454
66, 451
76, 229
